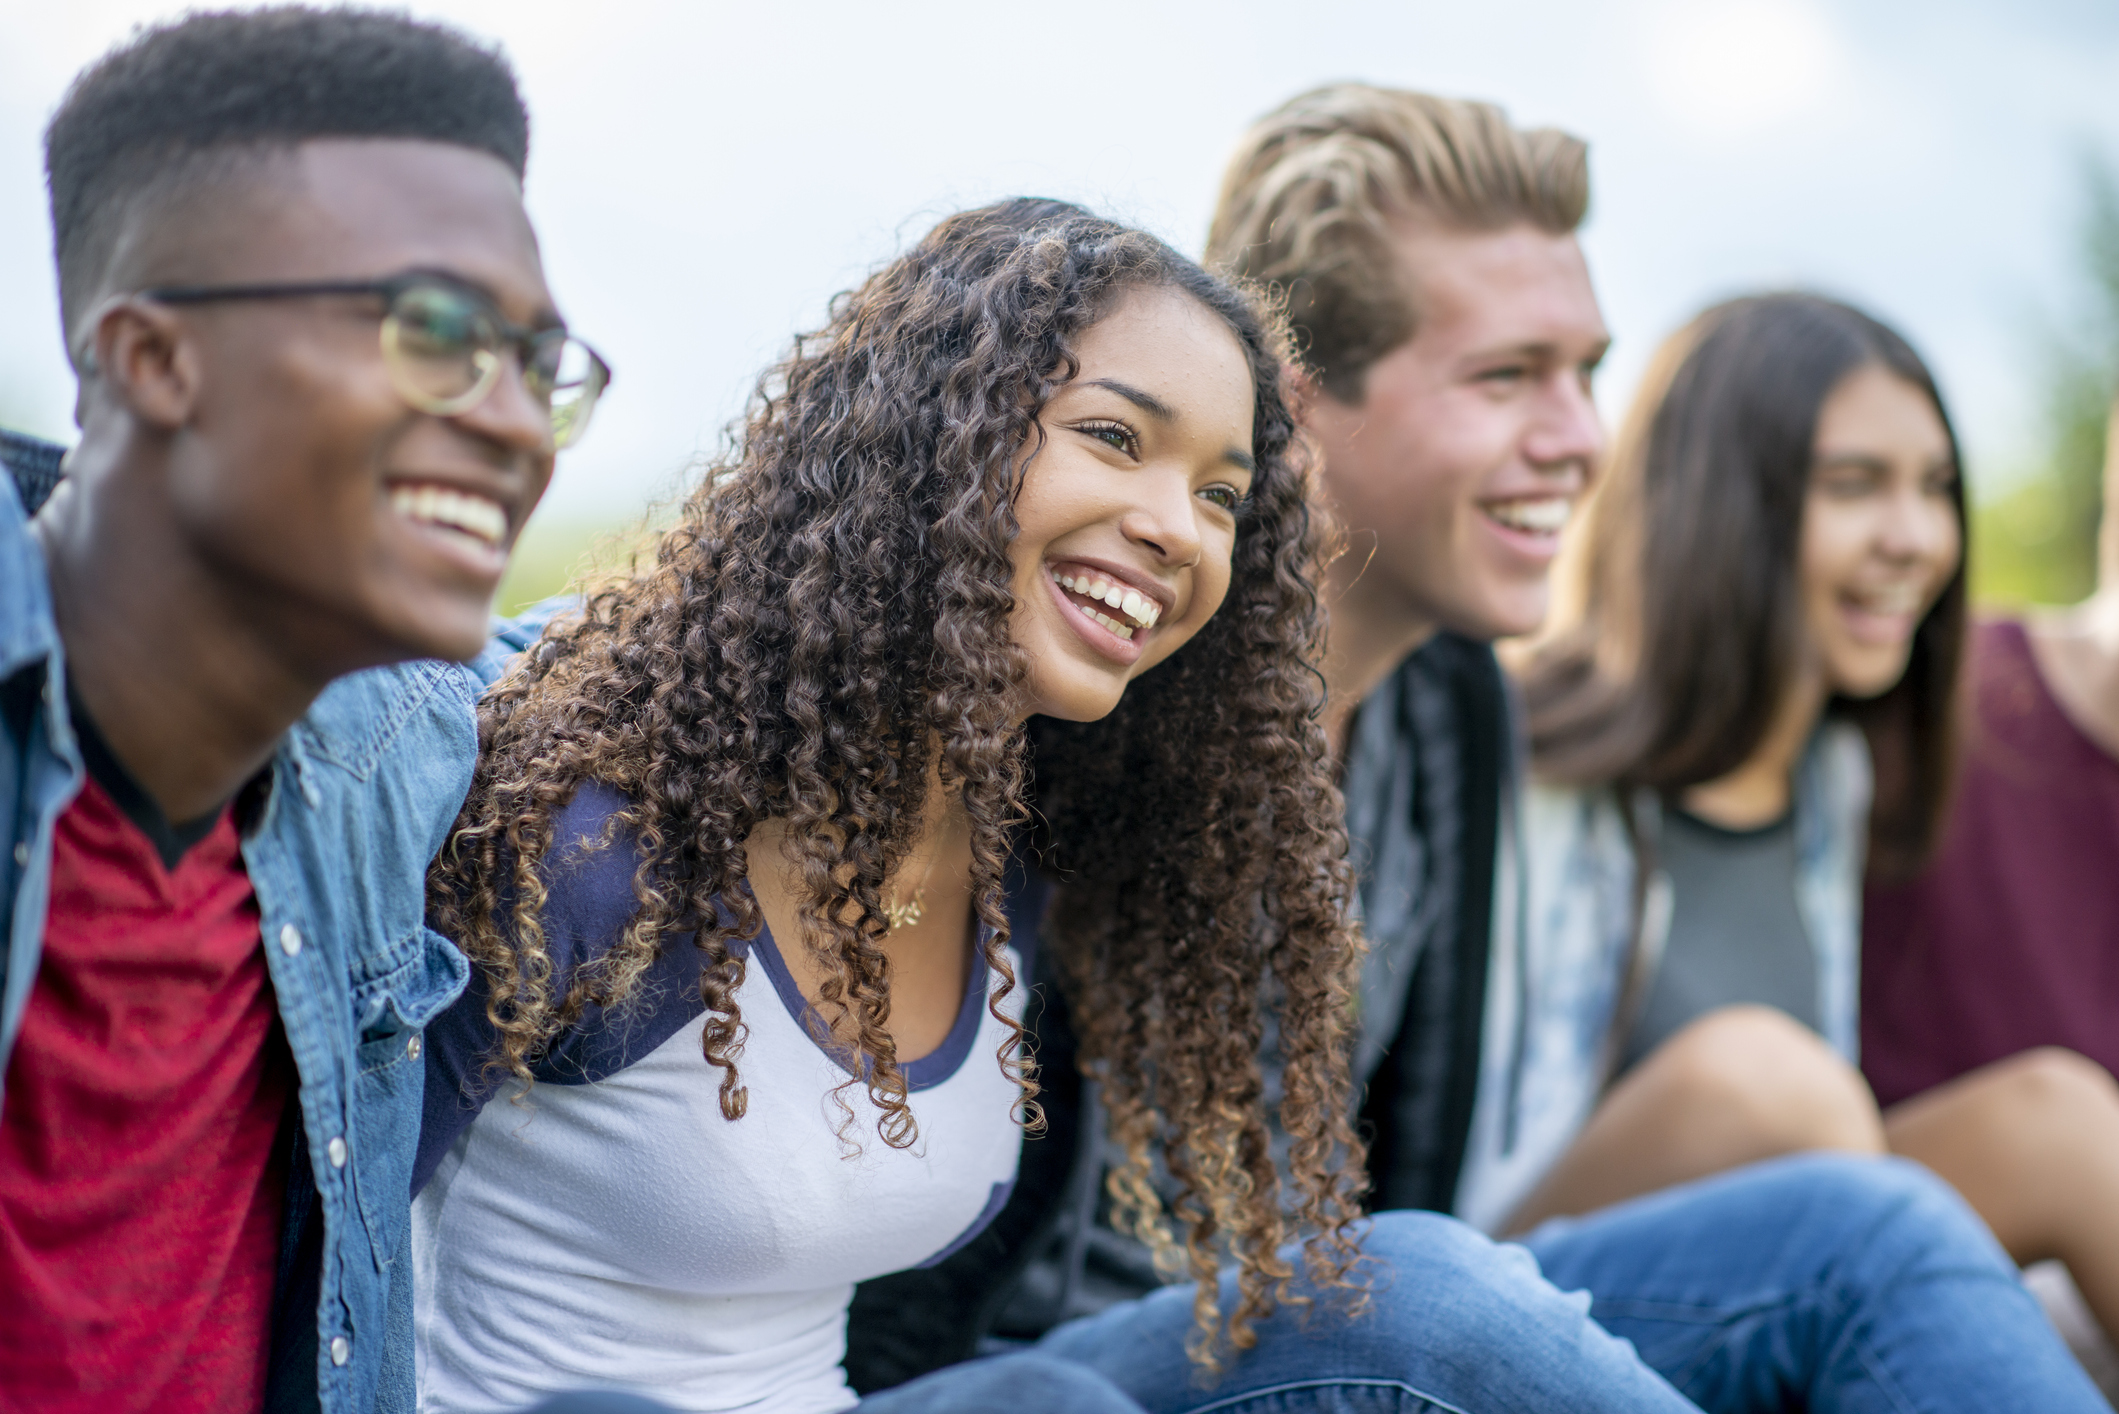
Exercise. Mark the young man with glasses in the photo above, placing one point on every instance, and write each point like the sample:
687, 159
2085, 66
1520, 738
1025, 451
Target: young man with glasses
321, 386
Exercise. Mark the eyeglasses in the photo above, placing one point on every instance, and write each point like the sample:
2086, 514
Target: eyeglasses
443, 344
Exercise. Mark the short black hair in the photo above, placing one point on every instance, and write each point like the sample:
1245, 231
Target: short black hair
170, 105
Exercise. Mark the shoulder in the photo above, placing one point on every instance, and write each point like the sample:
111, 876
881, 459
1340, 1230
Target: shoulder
1574, 816
418, 721
2002, 639
1579, 855
24, 590
405, 733
1468, 664
588, 876
34, 467
1837, 776
514, 636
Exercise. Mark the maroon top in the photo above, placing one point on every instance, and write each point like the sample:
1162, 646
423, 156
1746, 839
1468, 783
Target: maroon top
140, 1192
2011, 938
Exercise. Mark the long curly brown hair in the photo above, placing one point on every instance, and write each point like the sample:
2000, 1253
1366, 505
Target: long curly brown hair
827, 631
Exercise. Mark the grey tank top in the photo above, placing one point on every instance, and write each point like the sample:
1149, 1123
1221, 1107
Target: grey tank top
1736, 933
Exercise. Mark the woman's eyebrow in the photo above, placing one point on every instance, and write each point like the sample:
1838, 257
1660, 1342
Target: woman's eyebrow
1859, 461
1147, 402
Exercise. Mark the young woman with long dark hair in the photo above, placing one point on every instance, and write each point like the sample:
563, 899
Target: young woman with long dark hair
1748, 707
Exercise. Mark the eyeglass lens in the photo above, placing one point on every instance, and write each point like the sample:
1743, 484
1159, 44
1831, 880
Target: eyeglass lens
445, 355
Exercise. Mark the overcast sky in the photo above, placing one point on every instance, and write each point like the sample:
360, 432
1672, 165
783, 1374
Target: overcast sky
705, 174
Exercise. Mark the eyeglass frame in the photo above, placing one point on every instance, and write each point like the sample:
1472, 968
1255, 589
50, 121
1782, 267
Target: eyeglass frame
516, 338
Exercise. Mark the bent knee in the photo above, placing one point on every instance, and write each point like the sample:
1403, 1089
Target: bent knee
1759, 1068
1879, 1197
1881, 1213
2057, 1081
1446, 1274
1030, 1382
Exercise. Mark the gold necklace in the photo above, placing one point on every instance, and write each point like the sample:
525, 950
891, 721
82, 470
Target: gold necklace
905, 915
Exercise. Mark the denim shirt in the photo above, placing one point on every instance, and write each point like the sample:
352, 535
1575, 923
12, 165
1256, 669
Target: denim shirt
1550, 1009
362, 791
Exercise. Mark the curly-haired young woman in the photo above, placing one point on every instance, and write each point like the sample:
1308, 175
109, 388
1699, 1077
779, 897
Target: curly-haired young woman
761, 837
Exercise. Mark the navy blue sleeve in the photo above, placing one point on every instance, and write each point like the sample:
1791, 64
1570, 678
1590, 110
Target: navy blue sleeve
590, 901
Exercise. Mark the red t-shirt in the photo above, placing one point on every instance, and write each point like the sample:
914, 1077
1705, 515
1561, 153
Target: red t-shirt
2010, 939
140, 1185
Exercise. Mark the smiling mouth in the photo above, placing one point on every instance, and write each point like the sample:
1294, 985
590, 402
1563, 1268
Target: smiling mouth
1117, 607
1531, 515
1896, 600
476, 521
1887, 615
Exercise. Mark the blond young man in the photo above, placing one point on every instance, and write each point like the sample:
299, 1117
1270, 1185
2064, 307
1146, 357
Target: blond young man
1449, 332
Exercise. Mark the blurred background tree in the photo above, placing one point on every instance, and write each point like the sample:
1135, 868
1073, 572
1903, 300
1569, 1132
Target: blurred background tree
2037, 542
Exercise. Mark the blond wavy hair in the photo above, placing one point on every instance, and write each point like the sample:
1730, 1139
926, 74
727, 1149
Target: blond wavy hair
1321, 187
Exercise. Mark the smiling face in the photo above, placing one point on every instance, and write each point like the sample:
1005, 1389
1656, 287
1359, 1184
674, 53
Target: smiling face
1881, 536
301, 476
1457, 470
1128, 512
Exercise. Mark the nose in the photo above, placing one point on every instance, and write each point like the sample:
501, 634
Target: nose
1917, 526
1565, 434
1165, 519
511, 416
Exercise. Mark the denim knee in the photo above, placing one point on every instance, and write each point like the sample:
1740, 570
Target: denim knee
1025, 1382
1441, 1281
1887, 1212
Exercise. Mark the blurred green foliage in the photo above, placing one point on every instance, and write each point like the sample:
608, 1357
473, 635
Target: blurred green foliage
2037, 542
556, 555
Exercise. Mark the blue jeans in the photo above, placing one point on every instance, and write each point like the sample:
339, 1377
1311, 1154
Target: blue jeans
1822, 1282
1022, 1383
1840, 1285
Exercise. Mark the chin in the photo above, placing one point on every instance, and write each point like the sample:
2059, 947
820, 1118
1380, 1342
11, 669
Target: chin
453, 633
1083, 704
1500, 617
1863, 687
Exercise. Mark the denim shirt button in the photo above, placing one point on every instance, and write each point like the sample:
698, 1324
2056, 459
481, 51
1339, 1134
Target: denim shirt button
336, 1152
341, 1348
290, 939
22, 853
412, 1047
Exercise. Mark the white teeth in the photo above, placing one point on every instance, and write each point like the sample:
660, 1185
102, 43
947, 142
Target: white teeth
476, 516
1135, 605
1887, 601
1124, 631
1539, 515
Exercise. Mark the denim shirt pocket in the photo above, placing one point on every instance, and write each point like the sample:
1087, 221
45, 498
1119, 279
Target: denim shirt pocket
391, 1011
